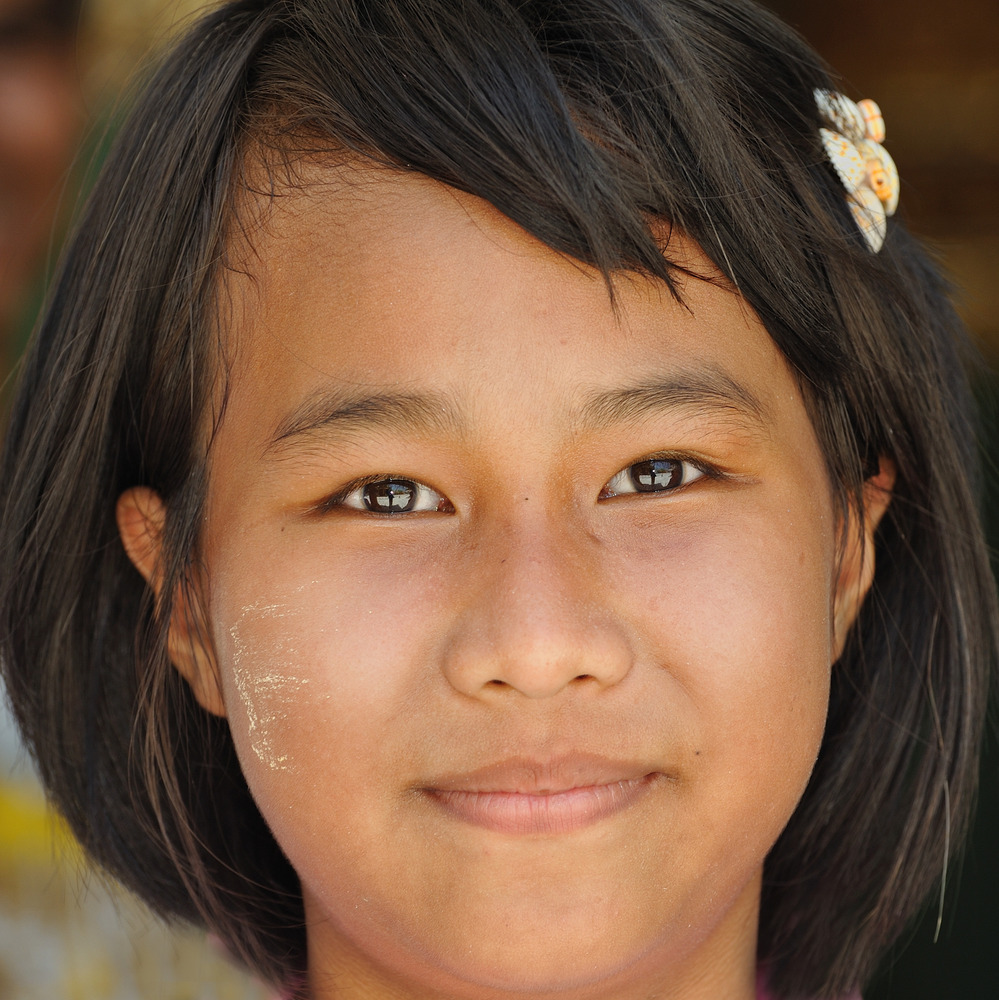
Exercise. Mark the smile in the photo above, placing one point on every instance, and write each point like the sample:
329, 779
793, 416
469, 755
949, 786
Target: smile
525, 797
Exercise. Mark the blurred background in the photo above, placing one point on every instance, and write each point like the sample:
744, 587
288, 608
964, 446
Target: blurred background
933, 67
64, 933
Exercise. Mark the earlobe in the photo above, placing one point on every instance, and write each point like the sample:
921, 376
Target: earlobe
856, 571
141, 517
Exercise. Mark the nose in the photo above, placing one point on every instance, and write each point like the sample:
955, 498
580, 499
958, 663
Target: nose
537, 619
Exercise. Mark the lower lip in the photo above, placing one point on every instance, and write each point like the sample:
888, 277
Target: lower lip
552, 813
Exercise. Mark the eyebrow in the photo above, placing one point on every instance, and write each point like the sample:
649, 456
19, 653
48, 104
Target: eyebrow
339, 408
704, 390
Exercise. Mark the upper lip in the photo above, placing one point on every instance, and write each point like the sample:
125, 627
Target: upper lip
526, 775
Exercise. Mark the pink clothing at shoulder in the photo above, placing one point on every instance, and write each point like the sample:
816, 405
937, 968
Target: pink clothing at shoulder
762, 993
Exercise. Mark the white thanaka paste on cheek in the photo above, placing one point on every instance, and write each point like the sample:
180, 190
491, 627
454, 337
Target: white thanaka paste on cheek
266, 693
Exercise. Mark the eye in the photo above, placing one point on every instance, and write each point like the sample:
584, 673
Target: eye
391, 495
653, 475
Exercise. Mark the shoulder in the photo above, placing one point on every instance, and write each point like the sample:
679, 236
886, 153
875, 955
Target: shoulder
763, 992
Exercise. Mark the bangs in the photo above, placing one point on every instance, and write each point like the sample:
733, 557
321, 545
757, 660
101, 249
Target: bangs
596, 127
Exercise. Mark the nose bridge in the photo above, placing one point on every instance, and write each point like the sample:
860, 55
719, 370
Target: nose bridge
537, 619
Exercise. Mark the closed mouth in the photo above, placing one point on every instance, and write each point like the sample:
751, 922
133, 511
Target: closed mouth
523, 796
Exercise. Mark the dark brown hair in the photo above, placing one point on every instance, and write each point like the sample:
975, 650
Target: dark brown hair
583, 121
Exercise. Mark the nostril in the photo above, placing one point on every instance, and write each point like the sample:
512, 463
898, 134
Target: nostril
536, 658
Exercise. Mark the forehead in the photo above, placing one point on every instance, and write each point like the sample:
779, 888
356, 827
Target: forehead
373, 277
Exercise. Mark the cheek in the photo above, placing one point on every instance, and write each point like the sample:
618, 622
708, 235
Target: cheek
267, 680
739, 614
332, 705
316, 655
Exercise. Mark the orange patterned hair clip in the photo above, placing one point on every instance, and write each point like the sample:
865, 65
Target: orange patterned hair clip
853, 145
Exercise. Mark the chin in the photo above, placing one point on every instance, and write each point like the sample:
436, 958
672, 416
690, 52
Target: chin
568, 957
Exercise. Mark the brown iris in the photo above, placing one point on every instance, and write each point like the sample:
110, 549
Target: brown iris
656, 474
390, 496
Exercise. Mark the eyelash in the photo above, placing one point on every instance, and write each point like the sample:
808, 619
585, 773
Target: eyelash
427, 500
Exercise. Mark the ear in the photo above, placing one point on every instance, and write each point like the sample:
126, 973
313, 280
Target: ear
141, 517
856, 571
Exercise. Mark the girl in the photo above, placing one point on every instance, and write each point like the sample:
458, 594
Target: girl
488, 512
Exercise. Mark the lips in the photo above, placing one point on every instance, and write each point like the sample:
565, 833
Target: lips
526, 796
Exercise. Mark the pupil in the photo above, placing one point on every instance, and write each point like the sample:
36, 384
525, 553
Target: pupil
656, 474
390, 496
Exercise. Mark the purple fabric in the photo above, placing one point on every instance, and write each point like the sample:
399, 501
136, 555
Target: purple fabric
762, 993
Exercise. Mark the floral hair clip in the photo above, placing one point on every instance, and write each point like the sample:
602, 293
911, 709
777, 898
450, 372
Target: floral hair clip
867, 171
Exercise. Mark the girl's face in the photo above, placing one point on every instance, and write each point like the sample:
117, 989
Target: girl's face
522, 603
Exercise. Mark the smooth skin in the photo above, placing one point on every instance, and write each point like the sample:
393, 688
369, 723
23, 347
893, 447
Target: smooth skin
536, 734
